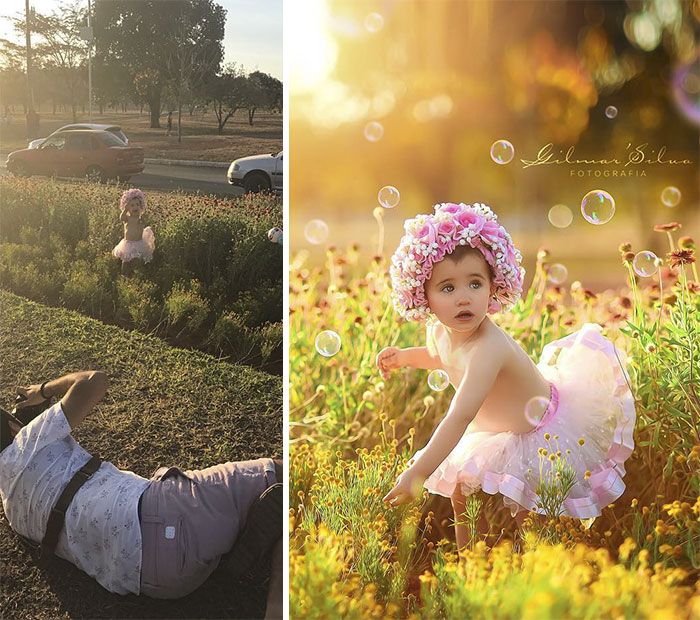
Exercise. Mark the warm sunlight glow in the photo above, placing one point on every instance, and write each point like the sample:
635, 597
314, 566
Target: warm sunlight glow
313, 52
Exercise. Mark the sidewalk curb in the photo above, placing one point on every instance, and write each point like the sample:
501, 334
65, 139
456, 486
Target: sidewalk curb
185, 162
160, 162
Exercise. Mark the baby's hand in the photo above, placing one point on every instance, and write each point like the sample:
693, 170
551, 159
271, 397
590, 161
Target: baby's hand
408, 486
389, 359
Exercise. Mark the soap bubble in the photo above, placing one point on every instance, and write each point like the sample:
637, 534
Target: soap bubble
502, 151
671, 196
438, 380
374, 22
275, 235
535, 409
374, 131
316, 232
557, 273
328, 343
645, 263
598, 207
611, 111
686, 88
388, 196
560, 216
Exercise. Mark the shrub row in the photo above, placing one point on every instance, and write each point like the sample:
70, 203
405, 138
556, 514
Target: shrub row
215, 282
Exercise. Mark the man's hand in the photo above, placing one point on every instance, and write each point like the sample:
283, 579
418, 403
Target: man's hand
389, 359
407, 488
32, 395
79, 393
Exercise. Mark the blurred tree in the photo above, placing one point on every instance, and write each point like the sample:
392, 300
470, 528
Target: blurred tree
13, 88
144, 36
228, 93
112, 84
58, 48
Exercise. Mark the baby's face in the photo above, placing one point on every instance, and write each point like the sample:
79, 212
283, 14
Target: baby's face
458, 292
134, 206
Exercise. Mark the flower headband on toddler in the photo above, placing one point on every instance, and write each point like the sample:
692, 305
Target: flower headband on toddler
429, 238
133, 193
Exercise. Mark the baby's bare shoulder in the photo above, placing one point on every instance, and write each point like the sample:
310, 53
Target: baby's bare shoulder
493, 340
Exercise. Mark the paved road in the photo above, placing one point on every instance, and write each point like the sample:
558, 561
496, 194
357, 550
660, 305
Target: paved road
185, 178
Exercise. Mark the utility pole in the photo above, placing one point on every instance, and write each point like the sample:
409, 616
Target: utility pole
30, 99
86, 35
89, 25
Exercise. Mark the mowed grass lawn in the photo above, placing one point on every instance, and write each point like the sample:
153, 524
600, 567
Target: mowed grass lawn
164, 406
200, 139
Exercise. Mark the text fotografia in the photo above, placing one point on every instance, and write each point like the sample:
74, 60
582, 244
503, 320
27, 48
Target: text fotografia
636, 158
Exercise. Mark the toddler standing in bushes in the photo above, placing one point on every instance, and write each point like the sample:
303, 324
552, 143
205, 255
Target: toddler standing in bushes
138, 242
551, 438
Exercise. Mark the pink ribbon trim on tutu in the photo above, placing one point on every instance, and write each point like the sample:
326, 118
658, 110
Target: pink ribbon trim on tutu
551, 410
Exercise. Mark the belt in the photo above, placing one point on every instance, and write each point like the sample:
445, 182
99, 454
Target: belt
58, 513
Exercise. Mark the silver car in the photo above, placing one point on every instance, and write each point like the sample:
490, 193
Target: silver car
258, 173
113, 129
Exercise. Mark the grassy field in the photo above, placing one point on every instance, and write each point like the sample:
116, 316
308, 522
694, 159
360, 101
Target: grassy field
215, 282
200, 140
352, 434
165, 406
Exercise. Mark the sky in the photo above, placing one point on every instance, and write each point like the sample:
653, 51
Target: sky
253, 35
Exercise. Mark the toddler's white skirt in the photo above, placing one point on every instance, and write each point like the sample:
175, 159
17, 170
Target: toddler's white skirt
129, 250
590, 401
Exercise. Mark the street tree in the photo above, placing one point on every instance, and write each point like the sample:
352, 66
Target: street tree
189, 65
227, 93
144, 36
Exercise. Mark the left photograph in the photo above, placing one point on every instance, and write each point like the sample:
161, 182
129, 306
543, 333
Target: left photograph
141, 306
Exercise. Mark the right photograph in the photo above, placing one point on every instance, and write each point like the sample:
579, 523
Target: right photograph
494, 309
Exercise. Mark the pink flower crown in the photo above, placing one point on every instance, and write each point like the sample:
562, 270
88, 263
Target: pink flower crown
429, 238
133, 193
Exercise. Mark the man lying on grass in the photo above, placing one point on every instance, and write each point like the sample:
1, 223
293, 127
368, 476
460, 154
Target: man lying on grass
160, 537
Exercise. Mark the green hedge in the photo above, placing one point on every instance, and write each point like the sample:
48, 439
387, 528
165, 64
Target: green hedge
212, 258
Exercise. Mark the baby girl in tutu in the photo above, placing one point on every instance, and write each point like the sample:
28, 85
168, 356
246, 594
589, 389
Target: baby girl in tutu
508, 416
138, 242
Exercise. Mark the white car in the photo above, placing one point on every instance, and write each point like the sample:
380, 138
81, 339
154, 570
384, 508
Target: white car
113, 129
258, 173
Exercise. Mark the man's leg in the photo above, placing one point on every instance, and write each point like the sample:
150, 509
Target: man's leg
263, 527
212, 505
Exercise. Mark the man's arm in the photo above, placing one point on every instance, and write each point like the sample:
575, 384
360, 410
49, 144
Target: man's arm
79, 393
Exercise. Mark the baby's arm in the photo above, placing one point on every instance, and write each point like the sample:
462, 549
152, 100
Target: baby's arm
484, 362
124, 216
392, 358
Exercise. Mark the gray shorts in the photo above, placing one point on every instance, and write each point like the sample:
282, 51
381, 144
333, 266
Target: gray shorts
189, 519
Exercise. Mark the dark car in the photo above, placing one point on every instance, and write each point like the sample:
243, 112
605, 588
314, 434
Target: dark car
113, 129
96, 155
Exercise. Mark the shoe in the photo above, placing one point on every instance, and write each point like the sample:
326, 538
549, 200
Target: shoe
262, 529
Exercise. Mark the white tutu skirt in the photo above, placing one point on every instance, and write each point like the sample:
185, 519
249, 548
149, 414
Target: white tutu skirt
143, 250
590, 400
